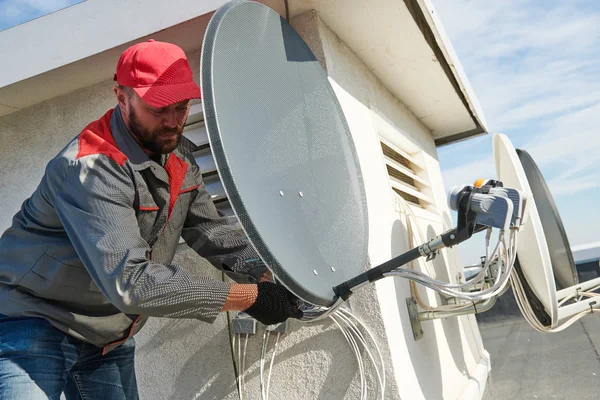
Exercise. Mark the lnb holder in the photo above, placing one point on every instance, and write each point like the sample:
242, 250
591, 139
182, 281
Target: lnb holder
462, 201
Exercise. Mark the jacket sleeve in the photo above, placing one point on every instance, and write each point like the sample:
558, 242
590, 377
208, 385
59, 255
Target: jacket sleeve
212, 237
95, 205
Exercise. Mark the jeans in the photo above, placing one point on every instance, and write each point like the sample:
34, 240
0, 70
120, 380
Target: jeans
38, 361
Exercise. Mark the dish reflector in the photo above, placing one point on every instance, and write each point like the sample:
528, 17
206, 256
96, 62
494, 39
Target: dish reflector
563, 264
283, 150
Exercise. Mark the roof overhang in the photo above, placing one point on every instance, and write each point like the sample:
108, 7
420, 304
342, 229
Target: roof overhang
401, 41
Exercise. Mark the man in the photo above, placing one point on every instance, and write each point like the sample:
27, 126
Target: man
88, 258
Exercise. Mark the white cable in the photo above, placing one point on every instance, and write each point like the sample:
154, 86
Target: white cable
472, 281
239, 377
505, 274
480, 276
346, 315
353, 330
498, 286
243, 374
469, 283
529, 314
363, 378
488, 234
262, 366
233, 344
501, 255
488, 262
372, 337
350, 340
271, 365
500, 281
409, 213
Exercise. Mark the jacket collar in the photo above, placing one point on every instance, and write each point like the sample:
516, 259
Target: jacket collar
138, 159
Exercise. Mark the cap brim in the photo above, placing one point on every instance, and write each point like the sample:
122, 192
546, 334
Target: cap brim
164, 95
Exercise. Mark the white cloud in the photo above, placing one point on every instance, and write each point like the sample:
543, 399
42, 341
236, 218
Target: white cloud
573, 138
571, 186
570, 149
11, 12
526, 59
534, 65
470, 172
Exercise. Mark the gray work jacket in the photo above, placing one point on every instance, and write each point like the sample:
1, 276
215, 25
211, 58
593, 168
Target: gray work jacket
91, 250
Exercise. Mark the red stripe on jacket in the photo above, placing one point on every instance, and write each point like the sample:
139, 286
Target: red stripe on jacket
176, 169
97, 138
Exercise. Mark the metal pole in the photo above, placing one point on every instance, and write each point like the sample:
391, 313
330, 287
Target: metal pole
474, 309
345, 289
428, 249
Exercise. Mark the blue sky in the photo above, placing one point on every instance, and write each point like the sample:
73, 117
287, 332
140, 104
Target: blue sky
15, 12
534, 66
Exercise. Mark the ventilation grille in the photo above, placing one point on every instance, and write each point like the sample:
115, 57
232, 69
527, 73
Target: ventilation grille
195, 130
407, 175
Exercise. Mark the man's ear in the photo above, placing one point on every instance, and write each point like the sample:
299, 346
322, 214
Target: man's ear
122, 97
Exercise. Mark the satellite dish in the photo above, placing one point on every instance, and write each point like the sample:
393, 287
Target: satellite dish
563, 264
534, 261
283, 150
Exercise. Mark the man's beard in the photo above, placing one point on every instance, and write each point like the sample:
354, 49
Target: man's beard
148, 139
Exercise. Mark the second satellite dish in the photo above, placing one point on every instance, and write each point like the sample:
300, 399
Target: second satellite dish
283, 150
543, 250
563, 265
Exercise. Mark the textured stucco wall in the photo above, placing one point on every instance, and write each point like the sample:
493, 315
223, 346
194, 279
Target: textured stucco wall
191, 360
183, 359
31, 137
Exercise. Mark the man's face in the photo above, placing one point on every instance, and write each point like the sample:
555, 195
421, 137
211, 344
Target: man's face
158, 130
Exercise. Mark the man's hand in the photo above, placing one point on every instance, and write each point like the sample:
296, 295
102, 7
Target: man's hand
267, 302
274, 304
240, 297
266, 277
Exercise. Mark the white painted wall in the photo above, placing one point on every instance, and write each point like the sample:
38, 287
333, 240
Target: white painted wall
179, 359
442, 363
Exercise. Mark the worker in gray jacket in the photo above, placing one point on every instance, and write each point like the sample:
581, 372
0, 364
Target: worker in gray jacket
88, 258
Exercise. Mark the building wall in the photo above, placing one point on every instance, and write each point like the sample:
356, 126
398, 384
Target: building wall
444, 363
183, 359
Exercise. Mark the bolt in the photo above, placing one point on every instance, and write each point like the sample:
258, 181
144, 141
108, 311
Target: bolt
315, 272
281, 193
333, 269
453, 236
301, 194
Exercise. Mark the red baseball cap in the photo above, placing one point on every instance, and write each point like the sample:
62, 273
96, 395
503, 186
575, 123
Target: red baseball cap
159, 73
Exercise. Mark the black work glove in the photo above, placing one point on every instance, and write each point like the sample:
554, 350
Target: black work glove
274, 304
